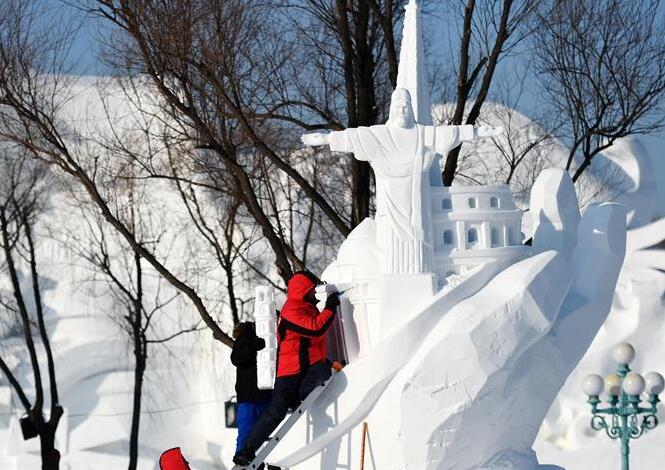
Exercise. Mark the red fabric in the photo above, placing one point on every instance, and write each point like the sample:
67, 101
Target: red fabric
300, 321
172, 459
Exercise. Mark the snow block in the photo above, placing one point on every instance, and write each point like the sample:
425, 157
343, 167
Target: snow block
402, 297
266, 328
601, 250
455, 398
555, 219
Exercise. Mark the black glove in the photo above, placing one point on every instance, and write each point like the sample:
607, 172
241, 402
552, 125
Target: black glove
332, 302
259, 343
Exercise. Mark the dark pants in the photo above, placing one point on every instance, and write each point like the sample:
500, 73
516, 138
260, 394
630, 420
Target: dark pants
288, 393
248, 415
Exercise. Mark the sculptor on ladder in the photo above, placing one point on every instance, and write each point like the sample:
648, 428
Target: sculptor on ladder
302, 362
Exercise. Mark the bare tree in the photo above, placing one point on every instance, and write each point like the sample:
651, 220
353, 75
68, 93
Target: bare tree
350, 51
22, 201
603, 69
125, 275
233, 74
31, 115
490, 30
140, 300
229, 76
216, 67
516, 157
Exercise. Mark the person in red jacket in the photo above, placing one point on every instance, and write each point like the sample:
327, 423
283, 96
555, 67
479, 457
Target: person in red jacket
301, 358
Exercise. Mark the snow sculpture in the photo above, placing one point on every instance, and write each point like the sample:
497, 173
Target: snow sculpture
555, 219
266, 328
474, 226
401, 153
357, 269
478, 367
459, 378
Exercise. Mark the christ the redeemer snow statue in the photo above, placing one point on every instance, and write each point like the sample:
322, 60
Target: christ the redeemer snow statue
401, 153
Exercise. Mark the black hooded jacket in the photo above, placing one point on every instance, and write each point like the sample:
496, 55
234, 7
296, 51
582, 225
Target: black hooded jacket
243, 357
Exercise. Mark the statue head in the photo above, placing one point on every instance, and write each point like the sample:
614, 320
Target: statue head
401, 111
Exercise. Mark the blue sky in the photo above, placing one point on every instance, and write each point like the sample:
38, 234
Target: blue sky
84, 56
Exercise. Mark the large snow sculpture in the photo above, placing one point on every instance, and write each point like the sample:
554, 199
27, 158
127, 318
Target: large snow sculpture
460, 378
401, 153
467, 381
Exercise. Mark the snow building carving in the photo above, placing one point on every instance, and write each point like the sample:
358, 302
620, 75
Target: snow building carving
472, 226
357, 269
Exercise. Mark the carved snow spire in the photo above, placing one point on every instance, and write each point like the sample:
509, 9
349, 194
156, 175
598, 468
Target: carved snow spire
412, 73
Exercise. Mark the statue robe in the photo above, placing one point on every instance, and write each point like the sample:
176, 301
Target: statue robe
401, 159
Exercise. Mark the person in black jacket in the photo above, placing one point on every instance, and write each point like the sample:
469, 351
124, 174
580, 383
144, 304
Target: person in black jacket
251, 401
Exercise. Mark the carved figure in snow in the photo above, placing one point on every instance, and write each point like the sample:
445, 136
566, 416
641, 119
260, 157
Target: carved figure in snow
401, 153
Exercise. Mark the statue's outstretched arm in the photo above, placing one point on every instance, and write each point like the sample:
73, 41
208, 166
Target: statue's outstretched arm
316, 138
337, 140
487, 131
449, 137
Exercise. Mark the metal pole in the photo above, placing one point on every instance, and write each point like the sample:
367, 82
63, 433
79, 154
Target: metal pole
625, 431
625, 440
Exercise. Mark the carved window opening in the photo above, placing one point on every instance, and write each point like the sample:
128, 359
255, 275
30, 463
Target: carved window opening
446, 204
448, 237
496, 236
472, 203
494, 202
472, 236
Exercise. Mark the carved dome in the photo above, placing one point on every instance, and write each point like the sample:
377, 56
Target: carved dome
358, 257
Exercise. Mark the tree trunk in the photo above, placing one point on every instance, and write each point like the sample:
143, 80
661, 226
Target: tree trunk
361, 192
139, 370
230, 287
50, 455
140, 354
359, 69
451, 166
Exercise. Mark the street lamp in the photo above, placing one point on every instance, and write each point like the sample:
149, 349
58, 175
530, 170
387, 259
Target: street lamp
624, 390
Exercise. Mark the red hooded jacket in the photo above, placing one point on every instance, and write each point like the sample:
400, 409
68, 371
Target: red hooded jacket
301, 331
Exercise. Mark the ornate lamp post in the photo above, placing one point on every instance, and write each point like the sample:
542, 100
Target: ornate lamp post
624, 390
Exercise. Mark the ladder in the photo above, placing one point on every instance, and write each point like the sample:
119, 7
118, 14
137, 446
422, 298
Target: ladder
286, 426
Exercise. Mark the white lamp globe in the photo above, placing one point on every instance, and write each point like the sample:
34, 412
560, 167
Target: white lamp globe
593, 385
654, 383
623, 353
633, 384
613, 384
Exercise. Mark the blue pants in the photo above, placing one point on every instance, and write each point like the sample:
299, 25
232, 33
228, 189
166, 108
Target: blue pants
248, 414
